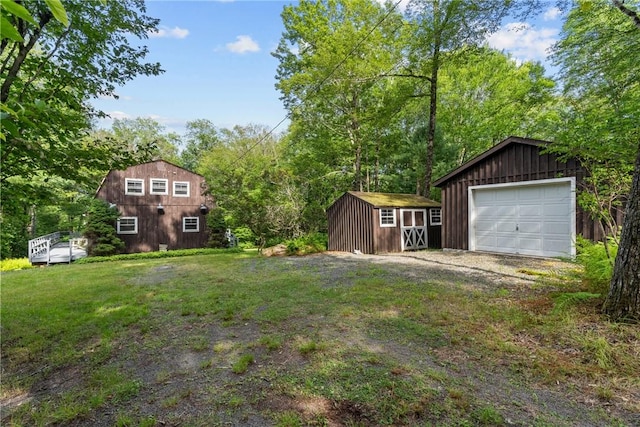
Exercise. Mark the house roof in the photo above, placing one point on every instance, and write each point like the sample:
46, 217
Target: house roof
481, 157
394, 200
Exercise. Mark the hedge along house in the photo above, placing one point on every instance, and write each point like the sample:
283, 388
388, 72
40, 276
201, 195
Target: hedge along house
515, 198
383, 222
162, 206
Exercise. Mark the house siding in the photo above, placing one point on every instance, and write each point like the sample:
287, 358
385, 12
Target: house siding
516, 162
156, 229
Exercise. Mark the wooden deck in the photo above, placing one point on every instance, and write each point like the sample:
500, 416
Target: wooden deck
50, 250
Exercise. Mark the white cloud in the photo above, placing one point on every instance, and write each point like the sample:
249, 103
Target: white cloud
523, 41
118, 115
243, 44
169, 33
551, 14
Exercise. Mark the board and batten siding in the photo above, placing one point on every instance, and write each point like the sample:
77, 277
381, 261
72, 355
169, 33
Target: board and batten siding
155, 229
514, 160
351, 226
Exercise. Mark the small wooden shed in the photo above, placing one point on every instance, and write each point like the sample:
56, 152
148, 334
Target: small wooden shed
516, 198
383, 222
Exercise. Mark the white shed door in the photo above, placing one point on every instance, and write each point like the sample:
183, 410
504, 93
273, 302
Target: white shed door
533, 218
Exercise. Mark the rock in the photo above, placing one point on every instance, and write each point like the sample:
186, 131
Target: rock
277, 250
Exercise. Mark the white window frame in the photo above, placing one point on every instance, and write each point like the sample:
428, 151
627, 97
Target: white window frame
182, 182
135, 225
166, 186
133, 193
382, 216
432, 214
184, 224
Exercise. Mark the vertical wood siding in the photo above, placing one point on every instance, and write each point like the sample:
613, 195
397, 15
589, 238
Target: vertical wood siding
350, 223
155, 229
515, 163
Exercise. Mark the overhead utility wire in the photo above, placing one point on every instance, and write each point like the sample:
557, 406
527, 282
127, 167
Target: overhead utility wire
317, 87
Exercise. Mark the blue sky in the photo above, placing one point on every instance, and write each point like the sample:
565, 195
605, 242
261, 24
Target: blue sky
218, 64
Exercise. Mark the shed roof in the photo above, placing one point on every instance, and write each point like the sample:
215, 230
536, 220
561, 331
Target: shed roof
393, 200
500, 146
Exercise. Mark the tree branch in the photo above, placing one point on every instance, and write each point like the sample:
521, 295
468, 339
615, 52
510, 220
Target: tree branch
411, 75
630, 13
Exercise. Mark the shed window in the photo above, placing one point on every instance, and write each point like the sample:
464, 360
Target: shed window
387, 217
134, 187
191, 224
435, 216
181, 189
159, 186
128, 225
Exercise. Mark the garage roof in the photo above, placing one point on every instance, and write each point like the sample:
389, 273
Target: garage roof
393, 200
500, 146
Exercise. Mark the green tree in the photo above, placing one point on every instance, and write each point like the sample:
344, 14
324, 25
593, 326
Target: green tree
217, 229
442, 31
330, 57
599, 55
146, 134
201, 135
50, 72
100, 230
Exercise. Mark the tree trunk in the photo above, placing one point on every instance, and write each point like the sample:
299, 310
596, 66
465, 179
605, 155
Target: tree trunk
623, 301
433, 103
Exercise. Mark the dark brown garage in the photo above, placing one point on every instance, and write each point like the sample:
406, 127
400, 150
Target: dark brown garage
383, 222
515, 198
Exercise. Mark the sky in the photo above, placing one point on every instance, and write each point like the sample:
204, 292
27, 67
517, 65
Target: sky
218, 64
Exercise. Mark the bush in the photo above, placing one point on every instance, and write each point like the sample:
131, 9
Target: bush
157, 254
15, 264
100, 230
598, 267
309, 244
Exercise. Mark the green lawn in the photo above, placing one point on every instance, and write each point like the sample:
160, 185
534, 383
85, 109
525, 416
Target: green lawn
236, 338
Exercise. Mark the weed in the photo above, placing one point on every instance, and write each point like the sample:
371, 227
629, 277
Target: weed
242, 364
604, 393
199, 343
488, 416
288, 419
309, 347
223, 346
566, 300
598, 349
271, 342
597, 264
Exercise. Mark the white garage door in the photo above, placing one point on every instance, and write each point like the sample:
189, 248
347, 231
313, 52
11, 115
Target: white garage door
527, 218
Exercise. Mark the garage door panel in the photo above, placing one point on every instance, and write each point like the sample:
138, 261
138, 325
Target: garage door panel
530, 227
531, 219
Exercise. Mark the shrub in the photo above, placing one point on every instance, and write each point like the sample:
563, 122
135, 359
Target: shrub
157, 254
309, 244
598, 266
100, 230
15, 264
217, 229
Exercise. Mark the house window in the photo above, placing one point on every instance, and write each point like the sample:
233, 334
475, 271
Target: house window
191, 224
159, 186
128, 225
180, 189
134, 187
435, 216
387, 217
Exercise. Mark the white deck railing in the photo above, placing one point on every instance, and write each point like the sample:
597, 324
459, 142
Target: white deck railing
41, 246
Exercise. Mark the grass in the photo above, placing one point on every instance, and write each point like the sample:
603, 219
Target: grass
233, 336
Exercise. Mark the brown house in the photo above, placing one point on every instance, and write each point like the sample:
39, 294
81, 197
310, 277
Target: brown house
162, 206
515, 198
383, 222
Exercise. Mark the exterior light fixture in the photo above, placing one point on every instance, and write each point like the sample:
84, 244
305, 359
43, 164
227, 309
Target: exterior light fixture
203, 209
160, 209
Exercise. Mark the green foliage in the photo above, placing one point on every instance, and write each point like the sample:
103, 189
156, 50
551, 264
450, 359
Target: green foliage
597, 261
565, 300
101, 230
241, 365
157, 255
217, 229
15, 264
308, 244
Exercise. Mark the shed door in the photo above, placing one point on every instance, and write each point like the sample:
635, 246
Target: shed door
534, 218
413, 224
